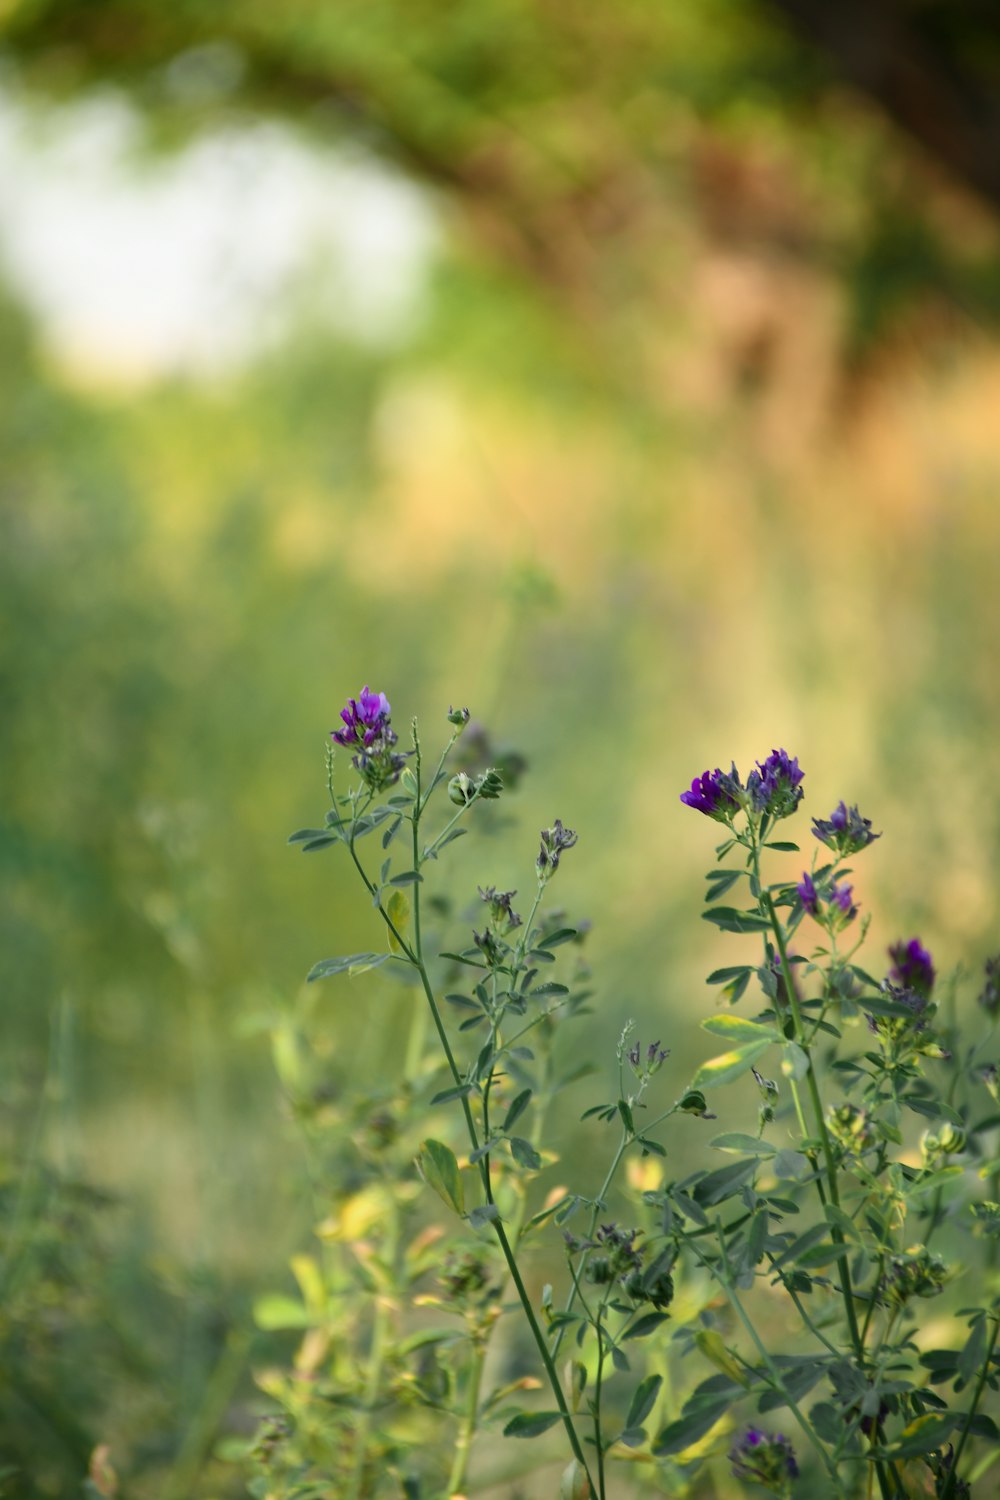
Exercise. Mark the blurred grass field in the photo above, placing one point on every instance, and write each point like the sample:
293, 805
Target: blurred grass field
627, 575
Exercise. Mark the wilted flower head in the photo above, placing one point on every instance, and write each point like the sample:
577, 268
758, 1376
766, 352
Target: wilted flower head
716, 793
914, 1273
912, 967
768, 1460
501, 911
368, 731
656, 1056
845, 831
775, 786
554, 841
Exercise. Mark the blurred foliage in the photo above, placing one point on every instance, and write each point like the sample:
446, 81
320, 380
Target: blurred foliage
585, 147
616, 494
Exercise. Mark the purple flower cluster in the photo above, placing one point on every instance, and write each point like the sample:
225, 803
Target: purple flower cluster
775, 787
768, 1460
716, 793
845, 831
367, 731
912, 968
365, 718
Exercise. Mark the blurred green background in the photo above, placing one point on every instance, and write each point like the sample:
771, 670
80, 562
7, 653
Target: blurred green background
679, 442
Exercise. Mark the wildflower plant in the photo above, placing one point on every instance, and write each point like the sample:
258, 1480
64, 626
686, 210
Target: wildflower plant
791, 1281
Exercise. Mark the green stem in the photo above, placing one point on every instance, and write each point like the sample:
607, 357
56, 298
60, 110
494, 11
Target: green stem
376, 1361
836, 1233
467, 1431
624, 1144
949, 1489
598, 1329
415, 954
766, 1360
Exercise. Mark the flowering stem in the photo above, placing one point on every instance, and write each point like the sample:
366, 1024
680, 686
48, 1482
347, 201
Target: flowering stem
415, 954
836, 1233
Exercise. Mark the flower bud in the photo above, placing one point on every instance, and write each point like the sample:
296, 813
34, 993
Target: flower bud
946, 1140
574, 1484
460, 790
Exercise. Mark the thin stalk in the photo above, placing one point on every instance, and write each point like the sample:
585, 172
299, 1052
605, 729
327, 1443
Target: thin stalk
467, 1431
623, 1146
381, 1329
949, 1489
598, 1379
772, 1369
415, 954
836, 1233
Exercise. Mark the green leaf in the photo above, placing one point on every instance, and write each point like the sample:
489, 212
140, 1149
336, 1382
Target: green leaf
794, 1061
353, 963
715, 1187
729, 1065
643, 1400
447, 1095
644, 1326
517, 1107
711, 1345
925, 1434
720, 881
438, 1166
306, 835
550, 989
486, 1213
748, 1145
792, 1166
408, 877
736, 1029
970, 1361
323, 842
397, 909
729, 919
273, 1311
723, 976
554, 939
524, 1153
692, 1424
531, 1424
784, 845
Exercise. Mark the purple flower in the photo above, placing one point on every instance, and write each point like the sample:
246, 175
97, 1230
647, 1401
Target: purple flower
775, 787
842, 897
768, 1460
912, 967
716, 794
845, 831
367, 731
831, 904
808, 894
365, 718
